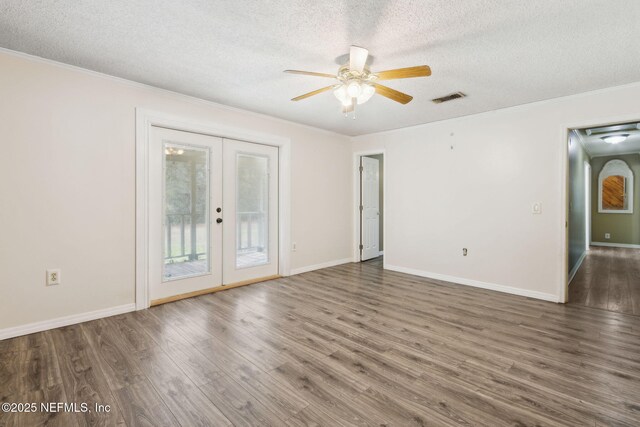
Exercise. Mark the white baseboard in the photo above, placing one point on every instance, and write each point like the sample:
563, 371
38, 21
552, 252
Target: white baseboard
575, 269
321, 265
45, 325
476, 283
615, 245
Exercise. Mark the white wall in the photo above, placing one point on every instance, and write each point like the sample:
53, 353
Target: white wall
67, 186
479, 194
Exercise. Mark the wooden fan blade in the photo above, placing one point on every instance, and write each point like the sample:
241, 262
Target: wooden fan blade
393, 94
405, 73
310, 73
358, 58
315, 92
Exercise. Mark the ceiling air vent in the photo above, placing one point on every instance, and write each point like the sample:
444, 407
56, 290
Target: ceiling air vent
449, 97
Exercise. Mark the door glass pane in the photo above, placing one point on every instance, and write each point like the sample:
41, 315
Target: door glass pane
252, 207
186, 211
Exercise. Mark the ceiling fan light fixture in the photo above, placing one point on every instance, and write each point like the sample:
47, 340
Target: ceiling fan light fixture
173, 151
354, 89
615, 139
341, 94
367, 92
344, 95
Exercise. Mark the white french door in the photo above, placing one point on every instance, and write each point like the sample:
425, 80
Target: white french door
370, 212
250, 200
213, 217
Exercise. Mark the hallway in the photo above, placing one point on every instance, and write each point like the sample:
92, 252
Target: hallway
609, 279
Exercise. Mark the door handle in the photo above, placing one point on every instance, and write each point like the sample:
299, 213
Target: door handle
219, 220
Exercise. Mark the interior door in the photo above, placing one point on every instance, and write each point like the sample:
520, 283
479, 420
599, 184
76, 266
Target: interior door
251, 211
370, 216
185, 197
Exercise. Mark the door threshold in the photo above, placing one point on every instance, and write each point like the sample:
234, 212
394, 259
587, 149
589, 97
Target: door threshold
179, 297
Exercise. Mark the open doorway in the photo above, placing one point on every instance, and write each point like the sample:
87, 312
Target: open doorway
604, 217
370, 211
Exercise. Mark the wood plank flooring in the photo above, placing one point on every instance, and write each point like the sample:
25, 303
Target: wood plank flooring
344, 346
609, 279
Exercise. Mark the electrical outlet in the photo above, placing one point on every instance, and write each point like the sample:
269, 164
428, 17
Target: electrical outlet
294, 246
464, 251
607, 236
53, 277
537, 208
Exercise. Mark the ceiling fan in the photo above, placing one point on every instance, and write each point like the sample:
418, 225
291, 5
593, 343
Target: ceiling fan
357, 84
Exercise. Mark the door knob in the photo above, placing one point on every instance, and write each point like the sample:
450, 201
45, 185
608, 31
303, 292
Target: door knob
219, 220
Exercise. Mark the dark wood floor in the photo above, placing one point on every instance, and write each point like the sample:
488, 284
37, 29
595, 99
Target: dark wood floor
348, 345
609, 279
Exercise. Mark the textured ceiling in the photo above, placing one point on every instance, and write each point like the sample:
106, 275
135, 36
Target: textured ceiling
595, 146
499, 52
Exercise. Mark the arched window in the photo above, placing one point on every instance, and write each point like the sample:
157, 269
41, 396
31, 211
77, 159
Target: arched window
615, 188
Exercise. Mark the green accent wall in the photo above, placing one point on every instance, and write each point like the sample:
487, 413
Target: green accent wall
624, 228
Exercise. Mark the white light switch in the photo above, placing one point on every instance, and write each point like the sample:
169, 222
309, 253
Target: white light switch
607, 236
537, 208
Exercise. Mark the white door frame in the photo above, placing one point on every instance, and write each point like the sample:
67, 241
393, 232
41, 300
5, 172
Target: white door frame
588, 179
563, 279
356, 203
147, 118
